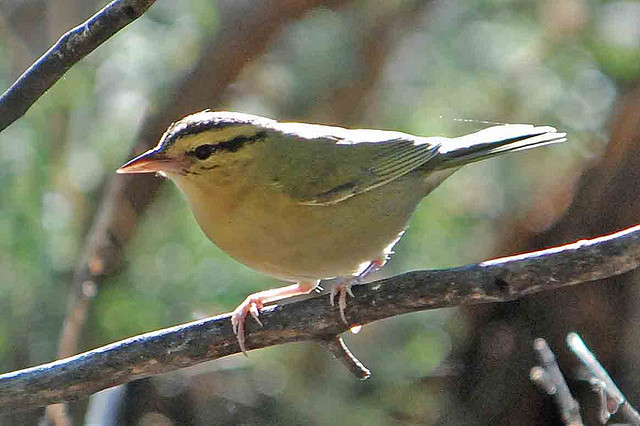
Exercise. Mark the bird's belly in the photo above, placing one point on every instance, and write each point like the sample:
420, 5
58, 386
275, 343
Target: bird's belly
274, 235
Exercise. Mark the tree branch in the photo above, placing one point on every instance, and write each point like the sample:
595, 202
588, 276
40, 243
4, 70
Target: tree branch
336, 347
589, 360
69, 49
497, 280
549, 377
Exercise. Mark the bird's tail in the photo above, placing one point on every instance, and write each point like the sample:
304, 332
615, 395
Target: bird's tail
495, 141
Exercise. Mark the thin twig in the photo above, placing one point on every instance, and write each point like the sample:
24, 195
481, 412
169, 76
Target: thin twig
600, 388
585, 356
69, 49
543, 380
555, 384
43, 74
336, 346
311, 319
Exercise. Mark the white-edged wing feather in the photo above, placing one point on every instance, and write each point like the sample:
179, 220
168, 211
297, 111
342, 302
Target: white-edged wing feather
325, 165
322, 165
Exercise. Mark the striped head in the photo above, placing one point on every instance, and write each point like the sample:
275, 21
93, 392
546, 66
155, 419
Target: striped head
201, 142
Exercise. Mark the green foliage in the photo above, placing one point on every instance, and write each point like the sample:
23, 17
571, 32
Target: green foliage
450, 65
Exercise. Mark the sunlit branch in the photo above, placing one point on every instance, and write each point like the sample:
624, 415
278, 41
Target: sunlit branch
69, 49
314, 319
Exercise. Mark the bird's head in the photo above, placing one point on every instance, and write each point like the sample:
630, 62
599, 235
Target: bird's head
200, 143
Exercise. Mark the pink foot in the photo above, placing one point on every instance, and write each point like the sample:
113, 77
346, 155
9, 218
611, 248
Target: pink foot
255, 302
251, 305
342, 290
344, 287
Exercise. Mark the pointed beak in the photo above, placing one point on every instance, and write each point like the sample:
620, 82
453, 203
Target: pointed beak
151, 161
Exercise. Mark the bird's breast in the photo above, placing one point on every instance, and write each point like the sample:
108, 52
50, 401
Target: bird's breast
267, 231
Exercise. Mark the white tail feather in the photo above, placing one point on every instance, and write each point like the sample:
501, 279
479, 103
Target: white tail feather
497, 140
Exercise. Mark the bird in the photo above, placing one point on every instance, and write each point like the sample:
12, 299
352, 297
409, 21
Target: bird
308, 202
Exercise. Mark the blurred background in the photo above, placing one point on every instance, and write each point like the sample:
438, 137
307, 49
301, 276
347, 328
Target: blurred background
117, 256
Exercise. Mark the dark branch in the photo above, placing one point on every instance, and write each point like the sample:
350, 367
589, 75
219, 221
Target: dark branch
336, 347
69, 49
313, 319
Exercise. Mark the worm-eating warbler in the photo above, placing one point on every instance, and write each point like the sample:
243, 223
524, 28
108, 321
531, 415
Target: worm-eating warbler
304, 202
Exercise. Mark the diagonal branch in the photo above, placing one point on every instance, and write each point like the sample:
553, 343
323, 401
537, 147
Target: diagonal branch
589, 360
338, 349
313, 319
549, 377
69, 49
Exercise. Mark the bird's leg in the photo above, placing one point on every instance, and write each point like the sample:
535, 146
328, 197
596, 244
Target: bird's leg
256, 301
344, 287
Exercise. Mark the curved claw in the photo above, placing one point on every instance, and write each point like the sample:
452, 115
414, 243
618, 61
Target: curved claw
341, 290
255, 302
342, 303
344, 287
238, 318
255, 312
348, 290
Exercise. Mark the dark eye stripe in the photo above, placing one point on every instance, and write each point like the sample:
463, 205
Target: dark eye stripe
205, 151
233, 145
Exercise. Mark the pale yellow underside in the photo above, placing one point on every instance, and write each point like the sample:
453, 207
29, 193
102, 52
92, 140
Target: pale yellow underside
260, 226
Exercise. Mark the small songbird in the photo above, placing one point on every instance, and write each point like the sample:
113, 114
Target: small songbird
305, 202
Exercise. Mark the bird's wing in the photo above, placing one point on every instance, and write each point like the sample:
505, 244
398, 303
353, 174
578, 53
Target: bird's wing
321, 165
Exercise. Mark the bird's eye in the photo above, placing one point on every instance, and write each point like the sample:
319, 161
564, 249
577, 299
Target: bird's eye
204, 151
